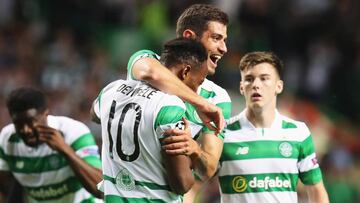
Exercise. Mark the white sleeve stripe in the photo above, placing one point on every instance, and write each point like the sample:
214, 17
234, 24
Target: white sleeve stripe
308, 163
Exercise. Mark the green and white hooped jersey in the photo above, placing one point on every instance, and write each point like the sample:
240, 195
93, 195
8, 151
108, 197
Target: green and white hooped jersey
44, 173
263, 165
208, 90
134, 117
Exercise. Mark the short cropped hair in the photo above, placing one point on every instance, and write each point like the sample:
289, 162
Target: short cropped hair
25, 98
254, 58
197, 18
183, 51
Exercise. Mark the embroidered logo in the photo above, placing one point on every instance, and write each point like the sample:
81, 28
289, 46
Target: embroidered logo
20, 164
285, 149
125, 180
242, 150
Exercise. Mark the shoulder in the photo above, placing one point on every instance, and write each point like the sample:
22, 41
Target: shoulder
67, 125
171, 101
210, 86
299, 127
6, 133
145, 53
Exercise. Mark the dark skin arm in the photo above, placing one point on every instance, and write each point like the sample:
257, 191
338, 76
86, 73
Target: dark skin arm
88, 175
6, 180
204, 158
178, 167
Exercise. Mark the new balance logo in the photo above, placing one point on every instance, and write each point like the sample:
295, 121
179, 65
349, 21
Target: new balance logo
242, 150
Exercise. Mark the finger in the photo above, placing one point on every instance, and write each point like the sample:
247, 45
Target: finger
186, 123
174, 139
211, 125
174, 146
176, 152
174, 132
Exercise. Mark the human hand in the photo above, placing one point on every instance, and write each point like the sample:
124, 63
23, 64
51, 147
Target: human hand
210, 115
180, 142
51, 137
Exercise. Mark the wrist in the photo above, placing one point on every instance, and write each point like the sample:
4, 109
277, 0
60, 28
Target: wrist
197, 152
66, 150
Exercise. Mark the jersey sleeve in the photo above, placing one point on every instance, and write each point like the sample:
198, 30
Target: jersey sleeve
97, 101
83, 143
221, 99
3, 164
309, 170
169, 117
136, 56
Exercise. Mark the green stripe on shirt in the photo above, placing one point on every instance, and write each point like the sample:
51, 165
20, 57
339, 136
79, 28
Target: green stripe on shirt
169, 114
259, 149
83, 141
270, 182
19, 164
118, 199
54, 191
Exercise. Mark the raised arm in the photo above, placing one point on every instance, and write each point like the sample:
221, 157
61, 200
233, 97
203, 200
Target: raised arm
88, 175
153, 72
317, 193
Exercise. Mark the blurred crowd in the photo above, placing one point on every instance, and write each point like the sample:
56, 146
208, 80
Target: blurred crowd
72, 48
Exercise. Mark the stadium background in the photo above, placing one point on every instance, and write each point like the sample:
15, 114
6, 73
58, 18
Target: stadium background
72, 48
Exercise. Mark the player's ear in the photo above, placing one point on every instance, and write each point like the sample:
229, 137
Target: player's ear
279, 86
189, 34
185, 71
241, 88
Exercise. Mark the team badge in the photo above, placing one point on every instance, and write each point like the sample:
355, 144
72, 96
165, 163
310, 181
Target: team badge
125, 180
20, 164
285, 149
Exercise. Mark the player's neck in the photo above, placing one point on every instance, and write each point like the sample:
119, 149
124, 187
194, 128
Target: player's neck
261, 118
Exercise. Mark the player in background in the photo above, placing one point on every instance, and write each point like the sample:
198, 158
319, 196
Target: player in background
54, 158
208, 25
265, 153
134, 116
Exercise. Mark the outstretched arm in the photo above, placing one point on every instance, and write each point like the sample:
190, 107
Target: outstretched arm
317, 193
88, 175
153, 72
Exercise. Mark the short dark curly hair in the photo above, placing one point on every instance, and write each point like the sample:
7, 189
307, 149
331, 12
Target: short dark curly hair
25, 98
183, 51
197, 18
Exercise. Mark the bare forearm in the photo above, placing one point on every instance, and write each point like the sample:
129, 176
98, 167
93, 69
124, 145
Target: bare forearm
206, 160
317, 193
204, 165
180, 176
89, 176
153, 72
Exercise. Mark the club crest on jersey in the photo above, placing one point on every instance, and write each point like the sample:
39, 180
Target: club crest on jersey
125, 180
20, 164
286, 149
54, 162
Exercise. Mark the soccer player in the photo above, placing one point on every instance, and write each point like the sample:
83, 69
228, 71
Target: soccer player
54, 158
265, 153
208, 25
134, 116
